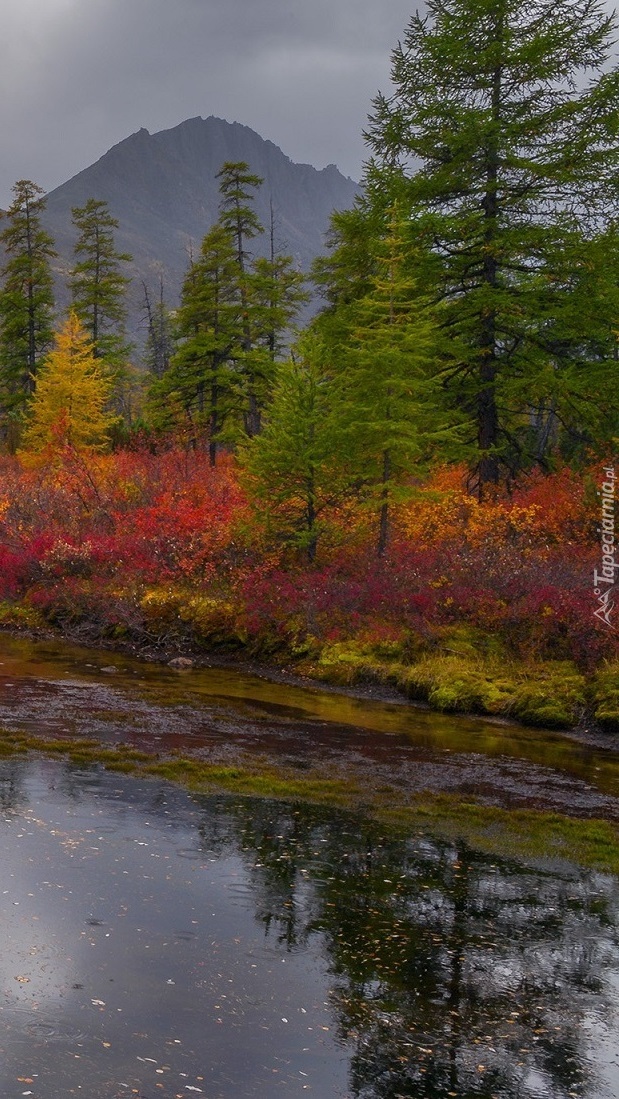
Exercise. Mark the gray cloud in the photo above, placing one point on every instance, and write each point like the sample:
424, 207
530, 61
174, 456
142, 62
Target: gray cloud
76, 76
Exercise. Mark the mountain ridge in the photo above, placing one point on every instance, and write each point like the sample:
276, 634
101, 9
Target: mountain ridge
163, 191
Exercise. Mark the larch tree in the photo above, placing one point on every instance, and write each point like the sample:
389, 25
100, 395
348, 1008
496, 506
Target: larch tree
292, 472
159, 336
278, 291
386, 399
237, 216
201, 386
501, 135
26, 303
69, 407
97, 283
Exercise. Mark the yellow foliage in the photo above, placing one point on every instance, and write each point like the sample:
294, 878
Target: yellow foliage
68, 408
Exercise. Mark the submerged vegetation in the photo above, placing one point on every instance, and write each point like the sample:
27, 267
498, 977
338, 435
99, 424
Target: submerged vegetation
526, 833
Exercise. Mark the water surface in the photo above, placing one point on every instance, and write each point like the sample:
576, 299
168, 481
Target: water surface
156, 943
222, 715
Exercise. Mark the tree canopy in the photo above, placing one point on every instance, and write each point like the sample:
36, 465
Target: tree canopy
500, 138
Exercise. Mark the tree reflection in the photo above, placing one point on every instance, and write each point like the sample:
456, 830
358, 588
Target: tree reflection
13, 794
454, 973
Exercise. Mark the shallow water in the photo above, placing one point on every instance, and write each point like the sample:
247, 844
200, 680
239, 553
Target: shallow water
157, 943
220, 714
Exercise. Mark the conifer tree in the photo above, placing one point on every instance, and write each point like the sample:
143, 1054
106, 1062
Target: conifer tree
501, 134
385, 397
293, 475
277, 292
159, 336
98, 285
26, 303
200, 383
69, 405
238, 217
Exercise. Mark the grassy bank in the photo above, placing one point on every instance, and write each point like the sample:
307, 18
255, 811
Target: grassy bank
458, 669
518, 833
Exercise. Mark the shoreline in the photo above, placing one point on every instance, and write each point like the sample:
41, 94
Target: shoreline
517, 816
586, 731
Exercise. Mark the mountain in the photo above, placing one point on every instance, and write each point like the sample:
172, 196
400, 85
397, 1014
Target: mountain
163, 191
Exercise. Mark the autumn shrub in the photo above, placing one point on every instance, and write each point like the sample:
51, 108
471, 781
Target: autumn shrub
174, 542
171, 614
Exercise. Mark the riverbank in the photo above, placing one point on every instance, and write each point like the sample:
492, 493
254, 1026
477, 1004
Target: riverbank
465, 672
474, 608
499, 786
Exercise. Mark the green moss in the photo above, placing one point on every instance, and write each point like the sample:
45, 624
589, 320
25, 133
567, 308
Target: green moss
521, 833
347, 663
553, 696
469, 680
20, 615
605, 692
459, 684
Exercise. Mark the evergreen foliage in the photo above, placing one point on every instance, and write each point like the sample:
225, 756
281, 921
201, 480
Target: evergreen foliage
199, 390
386, 400
294, 476
230, 328
159, 338
97, 283
501, 138
26, 303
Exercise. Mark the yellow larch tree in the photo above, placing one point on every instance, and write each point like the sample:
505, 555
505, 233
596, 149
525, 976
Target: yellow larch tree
69, 406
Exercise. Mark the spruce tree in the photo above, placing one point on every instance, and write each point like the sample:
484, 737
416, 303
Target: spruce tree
26, 303
501, 134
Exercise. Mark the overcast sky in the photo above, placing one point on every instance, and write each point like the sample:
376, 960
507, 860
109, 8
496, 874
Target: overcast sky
77, 76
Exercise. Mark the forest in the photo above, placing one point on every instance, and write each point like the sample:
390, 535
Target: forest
417, 489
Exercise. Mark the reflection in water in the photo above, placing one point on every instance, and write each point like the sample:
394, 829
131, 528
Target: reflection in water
159, 944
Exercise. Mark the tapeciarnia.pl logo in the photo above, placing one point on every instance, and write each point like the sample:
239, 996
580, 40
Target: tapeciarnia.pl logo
604, 579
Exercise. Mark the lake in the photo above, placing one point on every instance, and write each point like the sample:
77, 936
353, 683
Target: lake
163, 943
